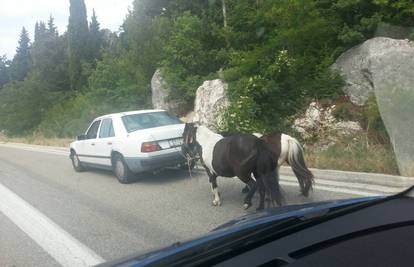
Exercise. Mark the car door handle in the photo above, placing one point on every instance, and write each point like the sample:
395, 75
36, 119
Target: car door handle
109, 143
92, 144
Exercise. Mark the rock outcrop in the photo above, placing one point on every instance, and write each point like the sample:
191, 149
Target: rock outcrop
364, 66
160, 95
385, 67
319, 122
210, 102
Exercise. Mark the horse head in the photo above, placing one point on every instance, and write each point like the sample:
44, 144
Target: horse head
190, 147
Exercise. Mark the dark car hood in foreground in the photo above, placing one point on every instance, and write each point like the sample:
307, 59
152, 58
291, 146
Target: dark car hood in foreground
276, 217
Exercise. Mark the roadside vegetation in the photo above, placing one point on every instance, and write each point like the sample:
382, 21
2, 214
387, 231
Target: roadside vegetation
353, 154
275, 55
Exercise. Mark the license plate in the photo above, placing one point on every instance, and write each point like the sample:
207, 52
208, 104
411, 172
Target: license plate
175, 142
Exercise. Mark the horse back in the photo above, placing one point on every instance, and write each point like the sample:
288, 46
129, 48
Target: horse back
236, 153
274, 140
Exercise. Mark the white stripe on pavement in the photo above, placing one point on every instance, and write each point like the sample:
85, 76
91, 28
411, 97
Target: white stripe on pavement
321, 184
349, 185
64, 248
37, 149
336, 190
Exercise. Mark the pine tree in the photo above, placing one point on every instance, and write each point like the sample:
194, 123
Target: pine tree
48, 54
78, 33
36, 31
95, 38
51, 28
40, 31
4, 71
21, 61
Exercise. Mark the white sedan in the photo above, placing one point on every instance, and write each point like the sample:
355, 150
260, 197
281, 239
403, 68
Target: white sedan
129, 143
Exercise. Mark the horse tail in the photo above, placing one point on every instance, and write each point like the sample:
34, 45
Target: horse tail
267, 171
296, 160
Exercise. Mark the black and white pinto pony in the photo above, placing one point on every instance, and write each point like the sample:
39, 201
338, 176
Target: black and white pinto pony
241, 155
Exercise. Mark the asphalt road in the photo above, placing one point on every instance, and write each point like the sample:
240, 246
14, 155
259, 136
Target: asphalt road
108, 219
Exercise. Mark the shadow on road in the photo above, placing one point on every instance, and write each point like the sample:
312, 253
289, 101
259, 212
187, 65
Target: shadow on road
160, 177
164, 176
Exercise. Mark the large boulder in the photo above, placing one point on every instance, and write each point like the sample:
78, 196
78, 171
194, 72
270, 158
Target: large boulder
210, 102
362, 65
318, 122
160, 95
385, 67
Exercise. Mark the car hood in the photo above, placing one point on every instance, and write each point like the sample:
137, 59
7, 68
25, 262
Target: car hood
233, 227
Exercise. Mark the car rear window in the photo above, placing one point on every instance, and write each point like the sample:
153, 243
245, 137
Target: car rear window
148, 120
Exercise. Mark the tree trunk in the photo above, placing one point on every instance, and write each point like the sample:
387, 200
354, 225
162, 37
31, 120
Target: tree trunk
223, 5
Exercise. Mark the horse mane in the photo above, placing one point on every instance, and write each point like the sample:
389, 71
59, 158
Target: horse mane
227, 134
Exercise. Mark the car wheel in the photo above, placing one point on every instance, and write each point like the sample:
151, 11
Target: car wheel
76, 163
121, 170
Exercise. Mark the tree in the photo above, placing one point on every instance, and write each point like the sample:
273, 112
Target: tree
40, 31
95, 38
4, 71
78, 33
21, 61
22, 105
49, 61
51, 28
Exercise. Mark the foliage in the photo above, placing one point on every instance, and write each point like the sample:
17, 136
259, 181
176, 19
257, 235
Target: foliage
48, 54
353, 154
23, 105
4, 71
275, 55
21, 61
95, 38
77, 43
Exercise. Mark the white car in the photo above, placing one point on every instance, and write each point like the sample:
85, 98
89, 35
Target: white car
130, 143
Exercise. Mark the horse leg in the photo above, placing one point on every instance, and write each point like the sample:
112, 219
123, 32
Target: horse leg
252, 185
246, 189
262, 193
214, 189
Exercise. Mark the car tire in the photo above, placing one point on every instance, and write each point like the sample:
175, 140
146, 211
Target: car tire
76, 163
121, 169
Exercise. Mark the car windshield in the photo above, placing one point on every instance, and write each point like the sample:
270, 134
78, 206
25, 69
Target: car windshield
148, 120
128, 125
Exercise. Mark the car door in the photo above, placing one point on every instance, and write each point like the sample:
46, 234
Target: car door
104, 142
88, 151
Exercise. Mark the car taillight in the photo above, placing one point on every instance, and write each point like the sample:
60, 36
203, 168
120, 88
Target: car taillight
150, 147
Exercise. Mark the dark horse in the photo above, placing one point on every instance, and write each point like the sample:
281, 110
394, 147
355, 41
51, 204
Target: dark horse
238, 155
288, 149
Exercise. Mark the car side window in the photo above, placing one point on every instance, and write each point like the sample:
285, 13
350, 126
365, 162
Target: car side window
93, 130
107, 129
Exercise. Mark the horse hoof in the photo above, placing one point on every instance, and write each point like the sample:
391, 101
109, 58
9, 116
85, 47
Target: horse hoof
216, 203
246, 206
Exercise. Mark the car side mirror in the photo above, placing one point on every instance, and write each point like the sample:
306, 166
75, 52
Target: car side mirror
81, 137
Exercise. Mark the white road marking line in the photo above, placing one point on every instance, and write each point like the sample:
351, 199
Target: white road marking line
64, 248
350, 185
328, 185
336, 190
36, 149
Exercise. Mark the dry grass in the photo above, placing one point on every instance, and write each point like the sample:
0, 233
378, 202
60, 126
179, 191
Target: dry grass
354, 155
37, 140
